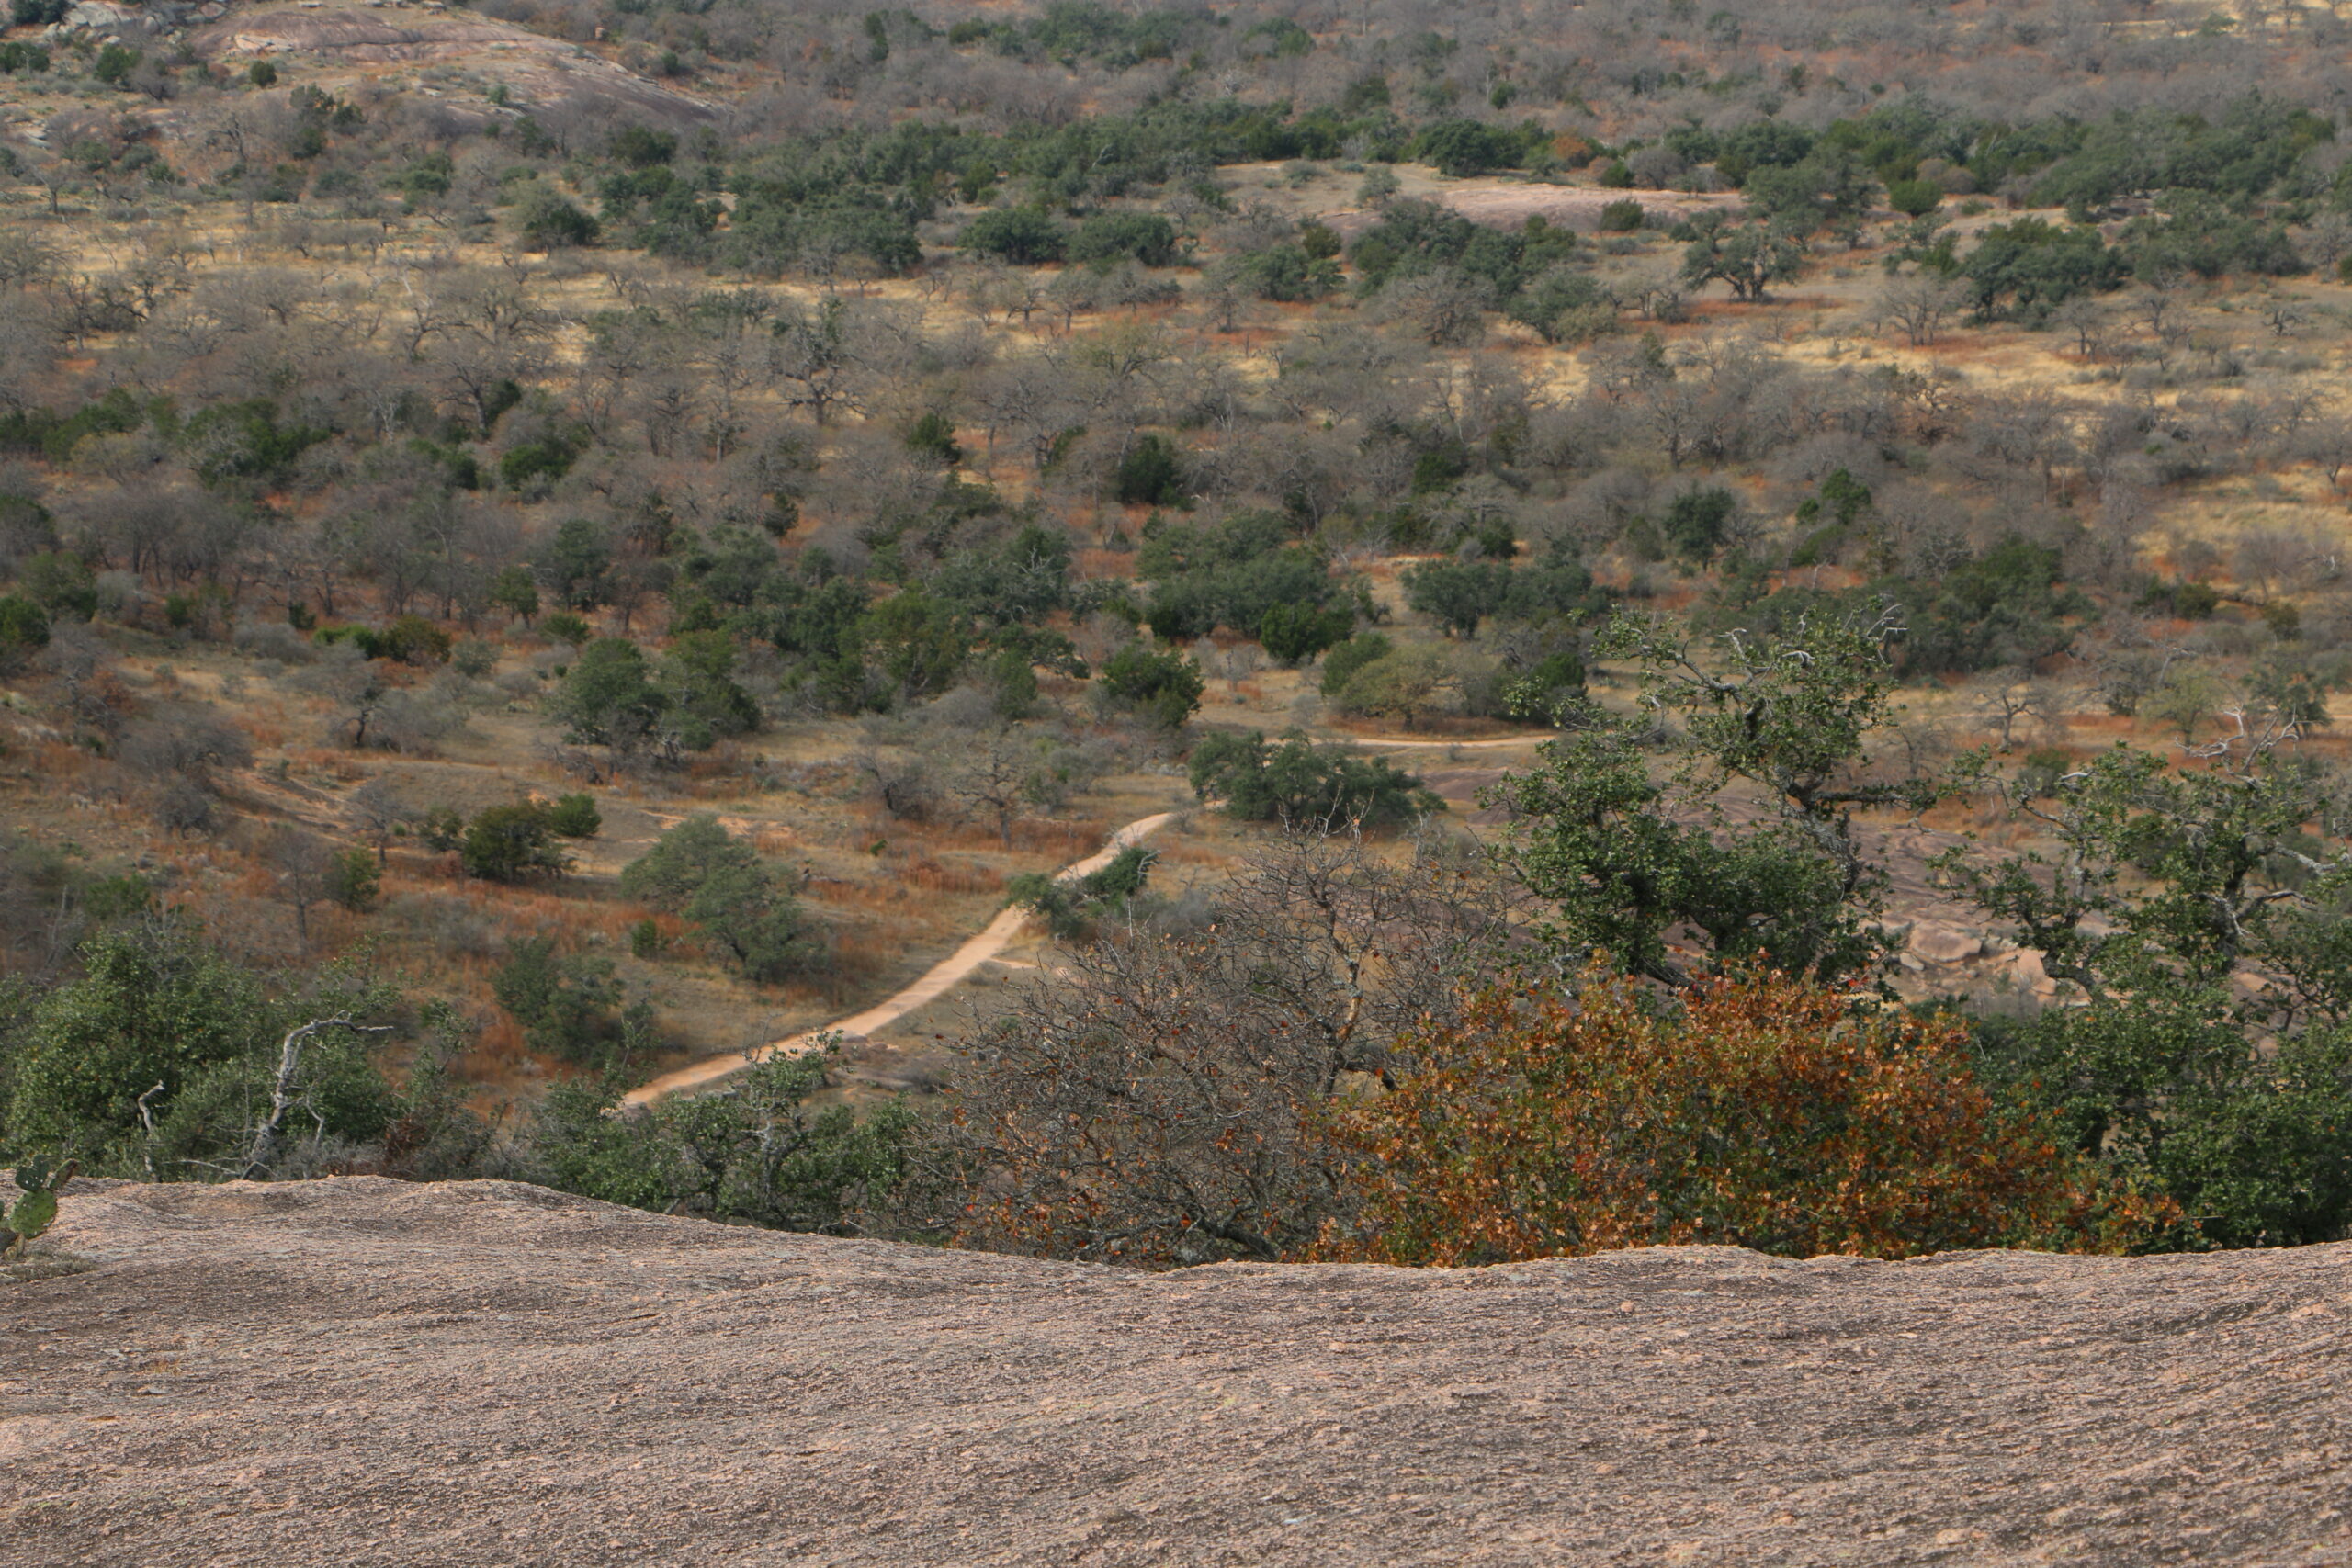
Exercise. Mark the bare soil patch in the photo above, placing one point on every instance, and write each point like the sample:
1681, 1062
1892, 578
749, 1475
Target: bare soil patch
1509, 204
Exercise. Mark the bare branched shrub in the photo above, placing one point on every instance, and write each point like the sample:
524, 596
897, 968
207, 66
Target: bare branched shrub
1154, 1104
185, 750
1919, 306
273, 639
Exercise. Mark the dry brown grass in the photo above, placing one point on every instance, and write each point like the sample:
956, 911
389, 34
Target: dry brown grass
858, 956
934, 877
342, 766
1090, 564
1191, 851
892, 896
63, 765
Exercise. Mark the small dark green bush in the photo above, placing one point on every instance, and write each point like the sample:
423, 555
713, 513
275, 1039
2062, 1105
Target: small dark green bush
565, 626
412, 639
24, 629
1164, 687
1146, 237
1913, 198
508, 843
551, 223
114, 64
563, 1002
1295, 632
1150, 475
574, 817
1341, 664
1303, 783
1018, 234
353, 880
934, 436
1072, 907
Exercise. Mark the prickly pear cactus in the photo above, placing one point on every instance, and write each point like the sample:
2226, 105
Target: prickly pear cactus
37, 1210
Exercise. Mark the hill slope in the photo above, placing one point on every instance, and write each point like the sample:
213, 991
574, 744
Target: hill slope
358, 1372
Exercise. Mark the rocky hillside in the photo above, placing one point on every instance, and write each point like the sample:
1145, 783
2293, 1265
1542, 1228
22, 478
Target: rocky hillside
359, 1372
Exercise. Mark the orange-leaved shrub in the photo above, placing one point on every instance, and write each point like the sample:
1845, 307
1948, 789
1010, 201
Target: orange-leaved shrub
1753, 1111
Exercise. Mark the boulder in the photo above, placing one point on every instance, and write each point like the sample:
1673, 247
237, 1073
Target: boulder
359, 1372
1944, 944
99, 17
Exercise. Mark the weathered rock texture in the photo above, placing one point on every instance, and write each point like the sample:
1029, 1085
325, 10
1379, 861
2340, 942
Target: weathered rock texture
359, 1372
538, 71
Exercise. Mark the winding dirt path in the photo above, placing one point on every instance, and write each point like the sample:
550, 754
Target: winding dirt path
993, 939
1383, 743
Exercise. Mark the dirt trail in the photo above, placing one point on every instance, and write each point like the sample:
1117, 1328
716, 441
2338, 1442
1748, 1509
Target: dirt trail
993, 939
1382, 743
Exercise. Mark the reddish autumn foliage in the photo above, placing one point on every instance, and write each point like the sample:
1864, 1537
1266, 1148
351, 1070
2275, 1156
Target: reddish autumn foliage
1761, 1112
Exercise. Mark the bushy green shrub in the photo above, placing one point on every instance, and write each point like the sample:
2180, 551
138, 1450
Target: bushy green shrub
1457, 594
61, 583
2005, 607
1913, 198
609, 696
1554, 684
114, 64
513, 592
1018, 234
1146, 237
1072, 907
2026, 268
574, 817
1233, 573
932, 435
1341, 664
642, 147
1565, 306
149, 1063
756, 1153
1622, 217
1461, 148
1164, 687
550, 223
354, 879
1150, 475
564, 1002
1285, 274
412, 639
1295, 632
1299, 782
565, 626
510, 843
24, 631
704, 875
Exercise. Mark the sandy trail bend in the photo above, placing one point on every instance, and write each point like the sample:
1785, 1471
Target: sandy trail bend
1383, 743
993, 939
